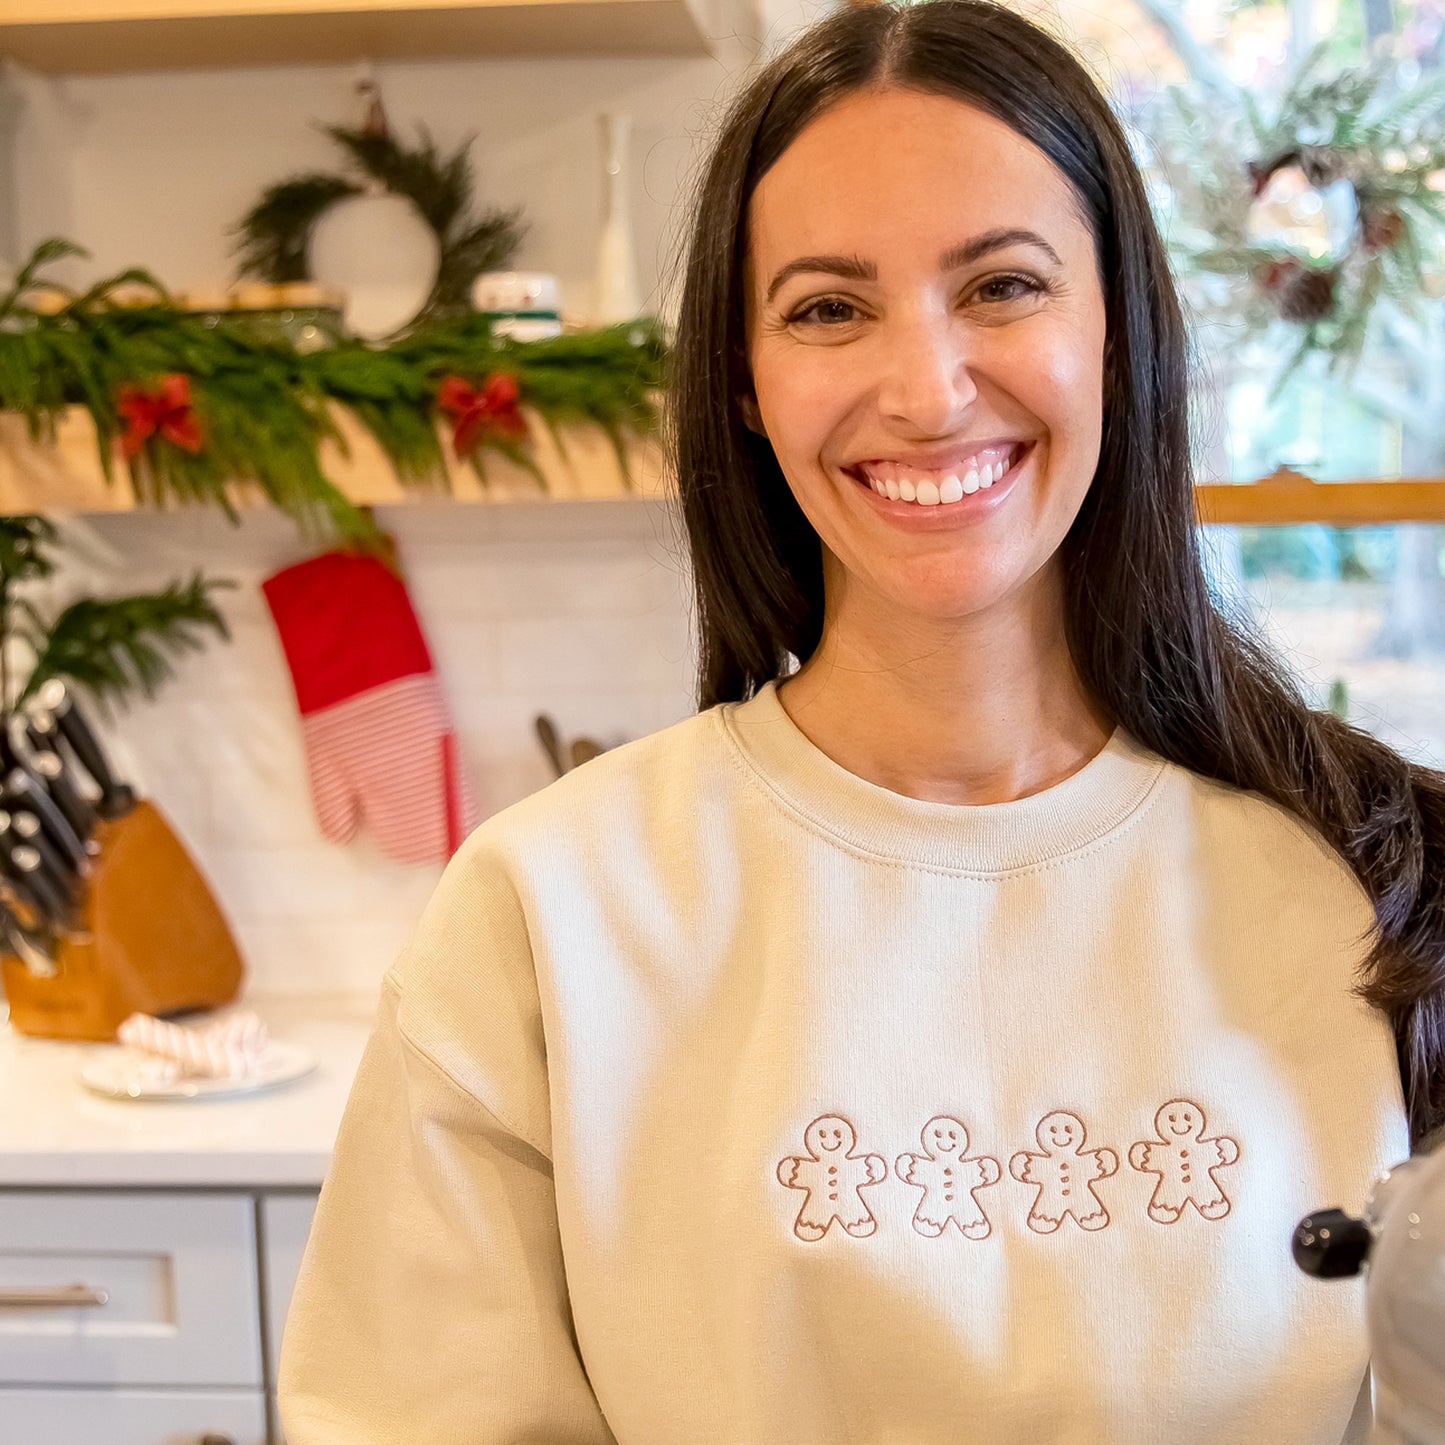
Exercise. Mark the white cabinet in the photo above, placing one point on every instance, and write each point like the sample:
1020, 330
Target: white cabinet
132, 1417
144, 1317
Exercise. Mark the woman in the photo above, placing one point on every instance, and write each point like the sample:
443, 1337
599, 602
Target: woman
937, 1043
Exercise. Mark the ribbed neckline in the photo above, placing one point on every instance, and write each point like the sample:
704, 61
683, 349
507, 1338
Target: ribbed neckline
983, 838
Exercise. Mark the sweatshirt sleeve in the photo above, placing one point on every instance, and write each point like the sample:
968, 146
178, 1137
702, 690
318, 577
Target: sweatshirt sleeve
431, 1305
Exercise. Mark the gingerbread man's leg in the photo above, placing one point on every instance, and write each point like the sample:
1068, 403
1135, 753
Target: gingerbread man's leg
1168, 1202
926, 1220
1210, 1201
1047, 1214
1097, 1217
815, 1218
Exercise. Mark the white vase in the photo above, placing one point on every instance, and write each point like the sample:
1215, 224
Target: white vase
617, 298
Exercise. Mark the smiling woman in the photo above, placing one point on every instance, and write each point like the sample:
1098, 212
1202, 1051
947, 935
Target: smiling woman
938, 1037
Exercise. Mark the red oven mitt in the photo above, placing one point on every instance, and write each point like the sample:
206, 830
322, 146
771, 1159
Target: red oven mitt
380, 746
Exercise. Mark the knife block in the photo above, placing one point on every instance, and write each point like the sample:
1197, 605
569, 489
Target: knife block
152, 940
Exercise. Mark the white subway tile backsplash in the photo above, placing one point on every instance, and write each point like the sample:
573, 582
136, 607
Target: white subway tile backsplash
577, 609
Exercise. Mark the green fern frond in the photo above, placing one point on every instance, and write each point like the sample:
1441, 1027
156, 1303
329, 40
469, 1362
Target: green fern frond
115, 646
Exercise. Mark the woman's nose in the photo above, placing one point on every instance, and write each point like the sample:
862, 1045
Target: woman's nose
928, 383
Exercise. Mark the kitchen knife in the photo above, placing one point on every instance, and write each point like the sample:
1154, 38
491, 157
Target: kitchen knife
27, 945
27, 829
116, 798
35, 738
23, 866
23, 790
78, 812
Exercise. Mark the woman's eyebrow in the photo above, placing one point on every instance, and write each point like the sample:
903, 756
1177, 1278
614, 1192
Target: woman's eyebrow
856, 269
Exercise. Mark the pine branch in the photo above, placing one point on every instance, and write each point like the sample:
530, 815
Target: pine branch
274, 232
112, 647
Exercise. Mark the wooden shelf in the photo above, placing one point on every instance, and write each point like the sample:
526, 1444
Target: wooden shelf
1288, 498
96, 36
66, 476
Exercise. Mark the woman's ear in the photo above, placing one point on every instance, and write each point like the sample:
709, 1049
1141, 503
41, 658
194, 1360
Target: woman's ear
752, 418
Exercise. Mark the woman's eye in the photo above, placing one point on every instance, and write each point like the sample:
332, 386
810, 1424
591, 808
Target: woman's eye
827, 312
1015, 287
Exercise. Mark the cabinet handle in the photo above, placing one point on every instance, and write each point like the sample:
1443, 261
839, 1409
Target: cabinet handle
216, 1440
60, 1296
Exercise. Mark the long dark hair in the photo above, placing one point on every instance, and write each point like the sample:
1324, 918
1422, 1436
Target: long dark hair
1144, 633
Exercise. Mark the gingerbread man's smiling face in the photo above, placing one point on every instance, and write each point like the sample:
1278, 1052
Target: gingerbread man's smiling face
1179, 1119
1060, 1132
830, 1135
945, 1136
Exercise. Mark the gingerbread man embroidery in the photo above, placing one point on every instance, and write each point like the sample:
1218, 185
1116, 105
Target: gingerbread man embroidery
1065, 1174
832, 1175
1185, 1162
948, 1180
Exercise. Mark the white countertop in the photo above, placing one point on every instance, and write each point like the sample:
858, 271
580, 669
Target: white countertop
56, 1133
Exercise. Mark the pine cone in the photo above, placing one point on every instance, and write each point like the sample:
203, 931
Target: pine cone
1380, 227
1307, 296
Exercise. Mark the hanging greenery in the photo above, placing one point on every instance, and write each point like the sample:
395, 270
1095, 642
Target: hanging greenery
275, 234
113, 646
1368, 213
190, 404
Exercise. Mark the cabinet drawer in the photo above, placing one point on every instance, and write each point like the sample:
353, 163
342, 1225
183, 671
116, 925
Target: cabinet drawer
172, 1280
132, 1417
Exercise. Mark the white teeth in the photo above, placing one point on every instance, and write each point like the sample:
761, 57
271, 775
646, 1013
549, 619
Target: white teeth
951, 488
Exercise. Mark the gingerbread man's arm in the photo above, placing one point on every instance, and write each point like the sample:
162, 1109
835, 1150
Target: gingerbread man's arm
904, 1166
1020, 1166
1141, 1156
877, 1168
1227, 1149
788, 1172
988, 1170
1108, 1162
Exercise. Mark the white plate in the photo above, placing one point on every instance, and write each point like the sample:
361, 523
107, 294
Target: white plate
115, 1075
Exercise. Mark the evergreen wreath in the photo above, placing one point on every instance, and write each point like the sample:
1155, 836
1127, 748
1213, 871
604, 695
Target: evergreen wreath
1369, 127
275, 234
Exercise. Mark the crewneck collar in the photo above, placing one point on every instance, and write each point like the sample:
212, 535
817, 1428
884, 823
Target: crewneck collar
970, 838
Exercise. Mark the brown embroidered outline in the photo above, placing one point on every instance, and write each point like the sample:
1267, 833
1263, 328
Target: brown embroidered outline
948, 1196
1061, 1191
1178, 1164
832, 1192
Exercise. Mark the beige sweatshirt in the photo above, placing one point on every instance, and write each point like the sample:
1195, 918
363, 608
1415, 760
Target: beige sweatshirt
725, 1098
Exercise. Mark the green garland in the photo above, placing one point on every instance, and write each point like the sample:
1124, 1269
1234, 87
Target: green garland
252, 410
275, 234
1366, 126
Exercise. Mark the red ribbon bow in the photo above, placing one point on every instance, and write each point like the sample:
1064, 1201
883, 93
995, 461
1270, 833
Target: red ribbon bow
492, 410
166, 412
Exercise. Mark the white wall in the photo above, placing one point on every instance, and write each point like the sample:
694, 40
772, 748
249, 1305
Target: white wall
577, 609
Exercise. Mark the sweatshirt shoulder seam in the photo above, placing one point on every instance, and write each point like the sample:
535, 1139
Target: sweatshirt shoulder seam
435, 1065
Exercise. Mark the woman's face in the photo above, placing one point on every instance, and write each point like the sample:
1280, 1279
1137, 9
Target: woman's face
923, 312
